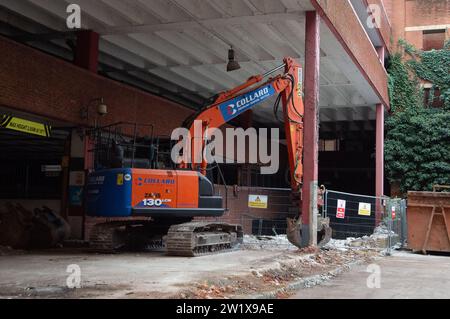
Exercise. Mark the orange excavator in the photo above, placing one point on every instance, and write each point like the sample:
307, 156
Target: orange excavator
132, 189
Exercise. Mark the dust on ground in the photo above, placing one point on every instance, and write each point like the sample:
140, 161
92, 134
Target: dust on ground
9, 251
264, 267
293, 269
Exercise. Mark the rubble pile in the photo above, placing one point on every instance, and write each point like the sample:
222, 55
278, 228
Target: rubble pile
6, 250
309, 266
314, 267
271, 243
378, 240
24, 229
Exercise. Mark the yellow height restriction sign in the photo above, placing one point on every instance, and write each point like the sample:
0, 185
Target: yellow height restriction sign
25, 126
364, 209
258, 201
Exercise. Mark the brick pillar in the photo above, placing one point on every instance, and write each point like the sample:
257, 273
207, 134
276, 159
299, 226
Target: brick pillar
86, 52
311, 129
379, 166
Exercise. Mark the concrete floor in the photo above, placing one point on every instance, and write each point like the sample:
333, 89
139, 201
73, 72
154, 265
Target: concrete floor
44, 274
404, 275
155, 275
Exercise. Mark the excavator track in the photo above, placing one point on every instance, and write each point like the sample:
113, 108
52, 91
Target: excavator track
113, 237
203, 238
104, 238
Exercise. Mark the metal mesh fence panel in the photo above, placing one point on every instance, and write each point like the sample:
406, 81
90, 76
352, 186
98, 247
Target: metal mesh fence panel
352, 215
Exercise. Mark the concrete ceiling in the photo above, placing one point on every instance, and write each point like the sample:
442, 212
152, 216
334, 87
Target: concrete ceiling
178, 48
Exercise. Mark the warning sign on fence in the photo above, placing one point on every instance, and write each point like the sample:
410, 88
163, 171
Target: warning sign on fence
340, 211
258, 201
394, 215
364, 209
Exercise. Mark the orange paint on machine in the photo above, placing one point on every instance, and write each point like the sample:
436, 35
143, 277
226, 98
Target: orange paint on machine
165, 189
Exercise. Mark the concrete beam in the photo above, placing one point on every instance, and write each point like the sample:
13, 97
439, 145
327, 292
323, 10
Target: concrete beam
219, 22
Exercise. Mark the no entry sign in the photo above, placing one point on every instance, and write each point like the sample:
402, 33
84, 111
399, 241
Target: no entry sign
340, 211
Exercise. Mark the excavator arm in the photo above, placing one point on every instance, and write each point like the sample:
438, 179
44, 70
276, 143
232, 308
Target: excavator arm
231, 104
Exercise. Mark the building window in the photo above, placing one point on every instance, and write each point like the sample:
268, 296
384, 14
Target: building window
329, 146
432, 98
433, 40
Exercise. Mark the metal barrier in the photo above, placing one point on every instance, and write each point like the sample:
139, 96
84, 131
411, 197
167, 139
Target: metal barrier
395, 219
377, 221
381, 219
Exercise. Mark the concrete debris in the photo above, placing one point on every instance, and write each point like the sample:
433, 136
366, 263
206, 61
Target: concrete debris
378, 240
275, 243
274, 279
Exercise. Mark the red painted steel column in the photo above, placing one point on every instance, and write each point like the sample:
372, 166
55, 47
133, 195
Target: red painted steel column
379, 169
86, 57
311, 127
86, 52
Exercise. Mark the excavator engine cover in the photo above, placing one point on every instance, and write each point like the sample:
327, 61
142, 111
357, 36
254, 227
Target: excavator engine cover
126, 192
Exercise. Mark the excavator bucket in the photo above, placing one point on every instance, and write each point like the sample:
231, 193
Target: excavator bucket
294, 231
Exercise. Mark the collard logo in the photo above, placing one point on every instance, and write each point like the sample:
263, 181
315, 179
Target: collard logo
231, 109
237, 106
152, 181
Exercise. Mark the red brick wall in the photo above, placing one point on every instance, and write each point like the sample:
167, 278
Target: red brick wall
35, 82
240, 213
427, 12
416, 13
388, 6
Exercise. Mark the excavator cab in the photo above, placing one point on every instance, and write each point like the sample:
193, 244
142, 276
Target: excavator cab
119, 146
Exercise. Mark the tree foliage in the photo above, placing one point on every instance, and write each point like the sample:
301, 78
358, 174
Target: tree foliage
417, 149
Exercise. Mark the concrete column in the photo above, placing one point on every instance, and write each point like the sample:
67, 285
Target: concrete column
86, 52
311, 129
379, 166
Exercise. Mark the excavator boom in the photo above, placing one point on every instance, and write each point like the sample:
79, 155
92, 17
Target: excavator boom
231, 104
